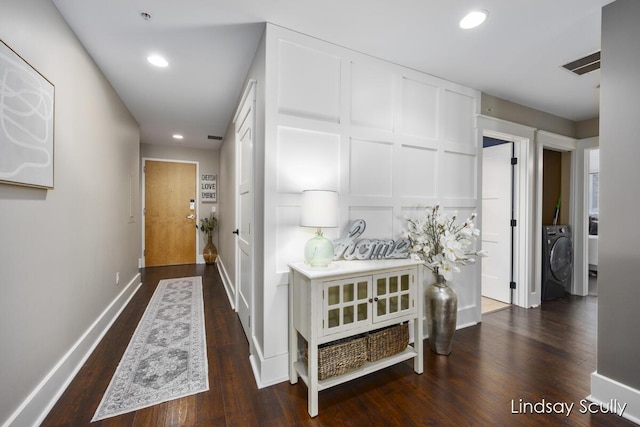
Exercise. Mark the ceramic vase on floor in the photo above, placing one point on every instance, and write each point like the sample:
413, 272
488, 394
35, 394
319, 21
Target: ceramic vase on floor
442, 315
210, 252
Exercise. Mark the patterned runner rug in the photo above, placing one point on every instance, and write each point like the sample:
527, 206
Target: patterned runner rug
167, 356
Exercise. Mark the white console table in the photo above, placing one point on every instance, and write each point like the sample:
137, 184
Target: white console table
346, 299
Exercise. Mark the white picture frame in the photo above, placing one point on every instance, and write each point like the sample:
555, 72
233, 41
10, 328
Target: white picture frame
208, 188
26, 123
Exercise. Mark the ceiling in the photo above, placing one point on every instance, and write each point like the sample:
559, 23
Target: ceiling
516, 54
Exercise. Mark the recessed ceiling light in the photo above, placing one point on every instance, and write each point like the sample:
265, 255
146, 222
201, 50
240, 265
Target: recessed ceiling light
473, 19
178, 136
158, 61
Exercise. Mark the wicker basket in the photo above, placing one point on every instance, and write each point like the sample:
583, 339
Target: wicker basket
339, 357
387, 342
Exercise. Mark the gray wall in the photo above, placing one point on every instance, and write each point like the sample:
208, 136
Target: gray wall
619, 256
516, 113
60, 249
587, 128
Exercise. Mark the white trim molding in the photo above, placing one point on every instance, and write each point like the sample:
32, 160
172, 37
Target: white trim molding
604, 390
226, 282
581, 216
523, 138
269, 371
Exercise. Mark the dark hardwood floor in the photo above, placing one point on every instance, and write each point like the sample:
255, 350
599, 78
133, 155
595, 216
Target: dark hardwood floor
543, 353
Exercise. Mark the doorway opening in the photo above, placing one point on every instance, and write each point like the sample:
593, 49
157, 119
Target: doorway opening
169, 214
557, 227
593, 197
523, 179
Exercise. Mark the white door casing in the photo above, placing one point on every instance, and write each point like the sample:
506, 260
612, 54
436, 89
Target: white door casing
245, 134
581, 218
524, 203
496, 219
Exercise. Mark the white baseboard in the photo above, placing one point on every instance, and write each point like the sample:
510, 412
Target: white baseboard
604, 390
271, 371
37, 405
226, 282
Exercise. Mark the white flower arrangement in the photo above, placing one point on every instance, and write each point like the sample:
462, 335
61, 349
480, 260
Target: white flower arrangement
442, 243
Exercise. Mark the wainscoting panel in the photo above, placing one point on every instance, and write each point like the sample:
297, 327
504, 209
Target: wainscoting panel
307, 160
371, 168
418, 114
308, 82
417, 172
290, 237
459, 118
379, 221
458, 176
371, 97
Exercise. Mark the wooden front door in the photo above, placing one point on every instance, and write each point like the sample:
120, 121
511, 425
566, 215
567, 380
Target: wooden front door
170, 215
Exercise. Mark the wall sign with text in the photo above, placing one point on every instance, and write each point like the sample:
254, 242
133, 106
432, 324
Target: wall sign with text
209, 188
348, 248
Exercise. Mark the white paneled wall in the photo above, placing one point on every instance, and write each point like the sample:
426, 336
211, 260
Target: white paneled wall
390, 140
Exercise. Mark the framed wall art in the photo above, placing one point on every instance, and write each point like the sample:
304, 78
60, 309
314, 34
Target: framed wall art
26, 122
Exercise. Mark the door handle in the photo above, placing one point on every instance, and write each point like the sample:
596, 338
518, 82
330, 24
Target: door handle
192, 216
236, 231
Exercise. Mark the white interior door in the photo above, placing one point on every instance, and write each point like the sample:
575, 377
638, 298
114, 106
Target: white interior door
496, 221
245, 128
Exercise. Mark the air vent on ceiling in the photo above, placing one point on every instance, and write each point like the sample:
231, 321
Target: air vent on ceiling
584, 65
217, 138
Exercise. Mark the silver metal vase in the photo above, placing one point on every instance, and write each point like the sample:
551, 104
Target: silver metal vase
442, 315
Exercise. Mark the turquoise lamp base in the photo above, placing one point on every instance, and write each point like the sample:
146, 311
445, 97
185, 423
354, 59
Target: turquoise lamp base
319, 251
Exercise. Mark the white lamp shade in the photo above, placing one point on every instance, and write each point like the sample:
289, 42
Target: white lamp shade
319, 208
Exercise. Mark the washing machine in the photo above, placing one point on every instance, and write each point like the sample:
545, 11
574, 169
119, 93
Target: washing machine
557, 261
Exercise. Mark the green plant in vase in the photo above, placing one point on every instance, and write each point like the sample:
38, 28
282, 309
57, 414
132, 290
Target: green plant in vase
208, 225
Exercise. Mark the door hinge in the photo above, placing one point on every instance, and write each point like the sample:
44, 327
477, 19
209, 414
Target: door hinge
512, 285
144, 169
514, 223
144, 252
514, 160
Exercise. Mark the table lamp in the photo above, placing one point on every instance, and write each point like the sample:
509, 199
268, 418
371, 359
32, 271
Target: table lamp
319, 209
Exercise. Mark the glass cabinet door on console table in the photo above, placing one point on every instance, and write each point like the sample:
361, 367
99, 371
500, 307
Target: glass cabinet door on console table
350, 299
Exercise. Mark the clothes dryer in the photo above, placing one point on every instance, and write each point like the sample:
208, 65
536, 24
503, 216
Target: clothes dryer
557, 261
